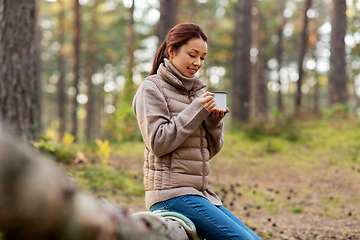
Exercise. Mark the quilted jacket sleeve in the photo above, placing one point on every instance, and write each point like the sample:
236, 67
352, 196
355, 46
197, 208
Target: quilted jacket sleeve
215, 136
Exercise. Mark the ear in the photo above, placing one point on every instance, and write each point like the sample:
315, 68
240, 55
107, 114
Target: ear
171, 52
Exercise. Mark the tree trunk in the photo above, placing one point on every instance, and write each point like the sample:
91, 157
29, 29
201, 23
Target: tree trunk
38, 85
129, 88
260, 86
312, 42
304, 39
90, 69
38, 202
337, 74
77, 29
168, 18
279, 50
61, 65
19, 103
242, 64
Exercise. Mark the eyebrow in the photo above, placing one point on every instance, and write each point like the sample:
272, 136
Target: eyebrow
197, 51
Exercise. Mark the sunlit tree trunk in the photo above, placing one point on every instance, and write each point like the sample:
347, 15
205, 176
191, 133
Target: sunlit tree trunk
129, 88
76, 42
242, 64
313, 38
337, 74
303, 45
168, 17
279, 50
38, 90
260, 86
19, 105
61, 65
90, 69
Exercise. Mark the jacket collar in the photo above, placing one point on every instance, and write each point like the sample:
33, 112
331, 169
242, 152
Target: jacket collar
174, 78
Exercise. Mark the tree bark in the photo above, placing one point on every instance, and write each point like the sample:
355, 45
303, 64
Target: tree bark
38, 202
337, 74
260, 86
90, 69
77, 30
168, 18
279, 50
61, 65
242, 64
313, 40
304, 41
129, 88
19, 105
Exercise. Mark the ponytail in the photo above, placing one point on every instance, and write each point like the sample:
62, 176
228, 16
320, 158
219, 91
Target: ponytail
179, 35
159, 58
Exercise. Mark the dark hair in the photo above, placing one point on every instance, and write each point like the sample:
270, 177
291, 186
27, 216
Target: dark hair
179, 35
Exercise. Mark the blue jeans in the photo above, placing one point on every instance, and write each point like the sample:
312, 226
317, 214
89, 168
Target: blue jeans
212, 222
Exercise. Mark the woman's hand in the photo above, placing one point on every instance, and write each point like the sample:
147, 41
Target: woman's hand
216, 113
207, 101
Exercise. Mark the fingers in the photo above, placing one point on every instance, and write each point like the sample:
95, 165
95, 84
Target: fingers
207, 101
216, 113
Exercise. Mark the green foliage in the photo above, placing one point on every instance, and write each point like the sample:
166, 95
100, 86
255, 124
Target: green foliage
61, 151
271, 147
338, 110
103, 151
123, 124
67, 140
99, 180
281, 126
297, 209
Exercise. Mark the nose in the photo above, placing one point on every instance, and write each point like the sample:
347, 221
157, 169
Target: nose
197, 62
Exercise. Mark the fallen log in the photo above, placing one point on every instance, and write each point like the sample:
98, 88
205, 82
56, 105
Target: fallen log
39, 202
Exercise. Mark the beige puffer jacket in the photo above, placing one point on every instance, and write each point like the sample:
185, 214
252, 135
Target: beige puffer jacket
179, 136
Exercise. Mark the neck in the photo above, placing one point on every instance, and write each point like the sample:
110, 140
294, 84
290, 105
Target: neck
186, 81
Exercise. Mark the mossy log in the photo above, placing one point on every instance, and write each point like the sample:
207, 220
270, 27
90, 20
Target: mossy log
39, 202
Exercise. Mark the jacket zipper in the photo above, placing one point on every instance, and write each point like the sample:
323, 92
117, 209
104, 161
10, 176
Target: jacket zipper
202, 157
201, 146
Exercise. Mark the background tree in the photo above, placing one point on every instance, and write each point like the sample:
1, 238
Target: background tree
62, 97
303, 45
19, 107
90, 70
130, 37
242, 64
168, 17
280, 48
77, 33
111, 63
337, 74
259, 80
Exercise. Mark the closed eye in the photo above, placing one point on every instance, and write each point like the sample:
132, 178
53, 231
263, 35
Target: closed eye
191, 55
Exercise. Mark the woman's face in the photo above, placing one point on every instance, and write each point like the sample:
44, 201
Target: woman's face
190, 57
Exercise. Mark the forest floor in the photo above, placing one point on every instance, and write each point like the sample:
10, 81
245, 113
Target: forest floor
302, 182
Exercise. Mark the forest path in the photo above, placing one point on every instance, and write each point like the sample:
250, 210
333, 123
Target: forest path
308, 196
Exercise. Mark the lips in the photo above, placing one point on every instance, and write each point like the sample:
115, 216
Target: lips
192, 70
